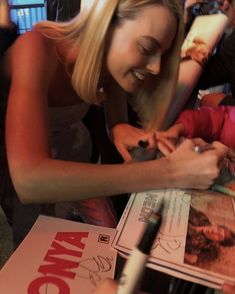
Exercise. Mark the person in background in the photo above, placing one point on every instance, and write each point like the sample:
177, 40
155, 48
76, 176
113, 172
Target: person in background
8, 30
209, 123
114, 49
220, 68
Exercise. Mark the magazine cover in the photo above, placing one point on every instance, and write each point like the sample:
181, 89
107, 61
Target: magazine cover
196, 241
60, 256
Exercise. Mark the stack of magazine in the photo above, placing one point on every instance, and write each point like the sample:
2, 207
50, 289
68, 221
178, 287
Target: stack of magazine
196, 241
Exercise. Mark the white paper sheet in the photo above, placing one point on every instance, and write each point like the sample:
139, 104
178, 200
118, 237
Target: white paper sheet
60, 256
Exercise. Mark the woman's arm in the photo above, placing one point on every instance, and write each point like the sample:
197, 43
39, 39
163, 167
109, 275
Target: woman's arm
39, 179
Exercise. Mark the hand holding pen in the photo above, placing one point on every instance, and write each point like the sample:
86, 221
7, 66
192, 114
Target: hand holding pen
135, 265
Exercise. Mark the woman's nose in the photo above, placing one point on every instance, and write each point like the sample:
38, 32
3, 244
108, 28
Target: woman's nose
154, 65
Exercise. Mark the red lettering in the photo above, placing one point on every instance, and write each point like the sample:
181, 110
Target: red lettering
59, 267
35, 285
60, 250
72, 238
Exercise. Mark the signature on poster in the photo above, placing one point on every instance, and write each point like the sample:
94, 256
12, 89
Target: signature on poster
92, 268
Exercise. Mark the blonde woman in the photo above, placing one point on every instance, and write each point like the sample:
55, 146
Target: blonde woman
114, 48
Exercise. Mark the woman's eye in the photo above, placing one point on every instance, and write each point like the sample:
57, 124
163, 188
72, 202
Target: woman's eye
146, 51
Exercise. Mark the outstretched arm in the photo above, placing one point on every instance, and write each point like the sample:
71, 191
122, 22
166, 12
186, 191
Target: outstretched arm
38, 178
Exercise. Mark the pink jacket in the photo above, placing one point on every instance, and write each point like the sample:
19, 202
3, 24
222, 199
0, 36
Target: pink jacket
210, 124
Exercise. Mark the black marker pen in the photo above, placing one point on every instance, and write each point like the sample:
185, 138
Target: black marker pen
135, 265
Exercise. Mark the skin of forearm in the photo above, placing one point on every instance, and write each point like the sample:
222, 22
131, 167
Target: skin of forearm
57, 181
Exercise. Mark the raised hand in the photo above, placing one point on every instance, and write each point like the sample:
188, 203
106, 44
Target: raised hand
127, 137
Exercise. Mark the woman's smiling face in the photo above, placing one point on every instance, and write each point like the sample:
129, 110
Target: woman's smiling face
214, 233
136, 46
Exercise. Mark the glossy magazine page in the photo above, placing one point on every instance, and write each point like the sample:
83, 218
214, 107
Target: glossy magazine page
191, 243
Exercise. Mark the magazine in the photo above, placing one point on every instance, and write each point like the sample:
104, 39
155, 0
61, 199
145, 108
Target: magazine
191, 243
60, 256
226, 181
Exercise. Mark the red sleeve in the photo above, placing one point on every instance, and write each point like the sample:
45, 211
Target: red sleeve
206, 123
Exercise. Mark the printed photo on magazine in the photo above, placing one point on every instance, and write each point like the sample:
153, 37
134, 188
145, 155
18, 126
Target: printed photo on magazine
226, 181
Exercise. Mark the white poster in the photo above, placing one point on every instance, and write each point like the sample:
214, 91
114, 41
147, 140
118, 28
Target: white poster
60, 256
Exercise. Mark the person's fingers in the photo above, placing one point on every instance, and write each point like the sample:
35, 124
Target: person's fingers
221, 150
169, 143
152, 142
198, 141
164, 149
189, 143
124, 152
166, 135
159, 135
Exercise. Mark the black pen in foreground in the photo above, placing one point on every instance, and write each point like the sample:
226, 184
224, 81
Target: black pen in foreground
135, 265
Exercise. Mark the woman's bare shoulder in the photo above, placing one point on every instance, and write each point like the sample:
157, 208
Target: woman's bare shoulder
32, 49
33, 38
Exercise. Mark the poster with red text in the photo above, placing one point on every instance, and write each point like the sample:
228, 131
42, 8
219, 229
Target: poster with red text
60, 256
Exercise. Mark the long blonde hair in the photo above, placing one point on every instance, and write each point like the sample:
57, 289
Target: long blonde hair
87, 33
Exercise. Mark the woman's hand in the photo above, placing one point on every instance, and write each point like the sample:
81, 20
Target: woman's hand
108, 286
127, 137
167, 140
194, 170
